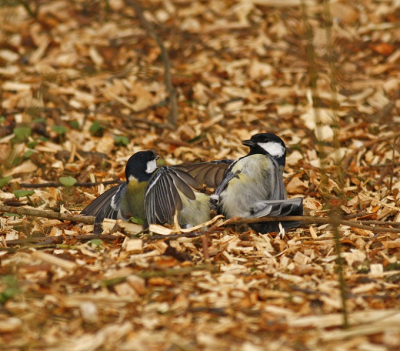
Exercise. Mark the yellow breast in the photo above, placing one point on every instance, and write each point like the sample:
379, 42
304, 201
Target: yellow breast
132, 203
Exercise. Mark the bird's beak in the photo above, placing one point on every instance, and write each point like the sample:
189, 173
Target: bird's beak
248, 143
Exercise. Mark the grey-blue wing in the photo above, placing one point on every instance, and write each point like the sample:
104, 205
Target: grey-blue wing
209, 173
105, 206
163, 194
108, 202
279, 190
227, 177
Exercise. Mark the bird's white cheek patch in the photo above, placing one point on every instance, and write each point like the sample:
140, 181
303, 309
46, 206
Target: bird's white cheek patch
274, 149
151, 166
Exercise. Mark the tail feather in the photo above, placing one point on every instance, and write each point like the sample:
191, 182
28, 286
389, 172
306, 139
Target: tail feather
287, 207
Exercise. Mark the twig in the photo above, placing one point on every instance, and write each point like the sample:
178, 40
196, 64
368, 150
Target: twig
25, 211
320, 220
49, 240
175, 236
165, 59
109, 112
8, 249
57, 184
31, 13
334, 215
355, 215
177, 271
393, 155
141, 120
347, 160
385, 164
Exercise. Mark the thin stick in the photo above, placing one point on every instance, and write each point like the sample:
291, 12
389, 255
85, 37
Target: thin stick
26, 211
313, 75
334, 215
320, 220
110, 112
393, 155
165, 59
48, 240
31, 13
57, 184
349, 157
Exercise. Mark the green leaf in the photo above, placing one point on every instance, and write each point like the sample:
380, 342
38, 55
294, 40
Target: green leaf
60, 130
74, 124
196, 138
29, 153
121, 140
96, 128
21, 134
31, 144
96, 242
67, 181
113, 281
7, 214
11, 289
136, 220
4, 181
23, 193
16, 161
39, 120
10, 280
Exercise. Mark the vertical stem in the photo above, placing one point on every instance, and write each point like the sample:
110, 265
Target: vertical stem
313, 73
173, 100
31, 13
339, 173
393, 155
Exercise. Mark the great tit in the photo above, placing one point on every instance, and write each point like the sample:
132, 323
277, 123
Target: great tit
253, 186
151, 195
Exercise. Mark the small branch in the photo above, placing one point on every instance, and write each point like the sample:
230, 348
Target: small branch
50, 240
31, 13
391, 164
57, 184
140, 120
175, 236
26, 211
348, 158
320, 220
108, 112
393, 155
165, 59
355, 215
177, 271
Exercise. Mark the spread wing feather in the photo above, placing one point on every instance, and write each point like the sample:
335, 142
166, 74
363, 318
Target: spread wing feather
163, 194
208, 173
107, 204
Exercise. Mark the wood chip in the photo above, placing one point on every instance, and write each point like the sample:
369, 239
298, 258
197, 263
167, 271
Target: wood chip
67, 265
